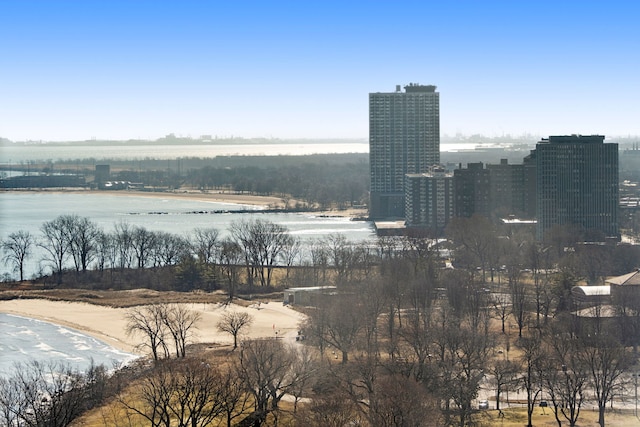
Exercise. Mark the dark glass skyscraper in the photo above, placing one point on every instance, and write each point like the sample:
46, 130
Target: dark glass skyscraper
577, 183
404, 138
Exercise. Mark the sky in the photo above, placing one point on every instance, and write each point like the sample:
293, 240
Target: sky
77, 70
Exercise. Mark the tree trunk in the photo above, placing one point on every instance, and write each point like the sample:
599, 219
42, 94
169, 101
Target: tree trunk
601, 409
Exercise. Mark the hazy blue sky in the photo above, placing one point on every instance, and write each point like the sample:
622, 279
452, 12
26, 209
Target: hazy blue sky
283, 69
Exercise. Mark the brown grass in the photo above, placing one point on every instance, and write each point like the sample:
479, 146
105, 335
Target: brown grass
517, 417
113, 413
120, 299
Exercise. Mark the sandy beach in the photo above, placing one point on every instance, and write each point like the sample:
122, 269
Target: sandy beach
109, 324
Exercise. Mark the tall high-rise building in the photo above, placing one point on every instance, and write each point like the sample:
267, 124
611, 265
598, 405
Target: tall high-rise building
577, 183
404, 138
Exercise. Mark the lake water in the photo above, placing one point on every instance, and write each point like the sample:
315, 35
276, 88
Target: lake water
24, 339
28, 211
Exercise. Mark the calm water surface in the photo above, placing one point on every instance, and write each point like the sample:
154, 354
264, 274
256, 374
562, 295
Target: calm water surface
24, 339
28, 211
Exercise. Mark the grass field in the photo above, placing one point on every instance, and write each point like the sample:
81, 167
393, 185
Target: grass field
517, 417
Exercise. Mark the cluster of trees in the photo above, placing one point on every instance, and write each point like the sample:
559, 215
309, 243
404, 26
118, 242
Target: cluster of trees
205, 260
480, 243
317, 184
442, 332
399, 320
80, 241
189, 393
242, 389
318, 181
162, 325
49, 395
408, 343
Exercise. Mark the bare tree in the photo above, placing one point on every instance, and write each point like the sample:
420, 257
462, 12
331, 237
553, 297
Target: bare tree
17, 247
152, 397
626, 301
402, 401
159, 322
82, 236
55, 243
519, 300
180, 323
343, 256
334, 408
606, 360
290, 254
9, 402
400, 284
105, 254
342, 320
148, 321
565, 375
462, 359
196, 399
42, 395
233, 323
320, 261
169, 249
206, 244
417, 335
234, 397
501, 307
265, 367
503, 376
143, 242
303, 371
124, 244
531, 380
230, 257
263, 243
475, 238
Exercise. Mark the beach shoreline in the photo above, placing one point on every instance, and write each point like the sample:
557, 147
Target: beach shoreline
218, 196
109, 324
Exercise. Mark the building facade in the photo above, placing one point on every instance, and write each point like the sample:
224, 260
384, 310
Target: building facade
577, 183
404, 138
472, 191
529, 185
429, 200
506, 188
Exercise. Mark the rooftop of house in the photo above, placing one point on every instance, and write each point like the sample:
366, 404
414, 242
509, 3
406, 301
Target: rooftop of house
629, 279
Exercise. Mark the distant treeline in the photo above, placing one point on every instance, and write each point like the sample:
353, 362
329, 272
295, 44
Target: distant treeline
317, 181
321, 180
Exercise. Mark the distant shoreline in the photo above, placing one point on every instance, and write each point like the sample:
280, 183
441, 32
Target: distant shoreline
200, 196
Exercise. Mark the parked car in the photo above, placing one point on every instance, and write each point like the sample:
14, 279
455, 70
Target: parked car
483, 404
